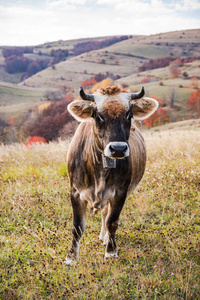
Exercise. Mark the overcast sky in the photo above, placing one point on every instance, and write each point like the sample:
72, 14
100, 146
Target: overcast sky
31, 22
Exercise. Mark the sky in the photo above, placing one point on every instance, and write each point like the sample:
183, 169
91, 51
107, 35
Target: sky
33, 22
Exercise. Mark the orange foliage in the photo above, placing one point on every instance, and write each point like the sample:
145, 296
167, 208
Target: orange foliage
35, 139
194, 102
69, 97
146, 80
11, 121
88, 83
176, 73
160, 116
174, 68
103, 84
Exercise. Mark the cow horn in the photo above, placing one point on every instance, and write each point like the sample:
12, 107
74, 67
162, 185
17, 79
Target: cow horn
85, 96
135, 96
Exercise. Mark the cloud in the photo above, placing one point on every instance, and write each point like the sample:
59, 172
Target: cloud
50, 20
186, 5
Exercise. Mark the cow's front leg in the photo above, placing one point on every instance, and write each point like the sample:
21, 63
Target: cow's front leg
112, 218
104, 213
79, 213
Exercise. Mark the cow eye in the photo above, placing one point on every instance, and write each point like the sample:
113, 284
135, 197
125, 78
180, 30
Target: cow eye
100, 118
129, 115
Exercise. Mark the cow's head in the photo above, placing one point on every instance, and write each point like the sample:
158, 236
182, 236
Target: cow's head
111, 111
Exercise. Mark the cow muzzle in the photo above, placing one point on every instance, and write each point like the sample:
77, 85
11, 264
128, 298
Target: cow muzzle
117, 150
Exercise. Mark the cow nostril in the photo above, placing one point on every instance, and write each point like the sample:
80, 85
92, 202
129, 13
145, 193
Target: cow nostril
125, 148
121, 148
112, 149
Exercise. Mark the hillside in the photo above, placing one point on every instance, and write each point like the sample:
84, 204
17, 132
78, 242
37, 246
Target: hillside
44, 51
18, 99
122, 58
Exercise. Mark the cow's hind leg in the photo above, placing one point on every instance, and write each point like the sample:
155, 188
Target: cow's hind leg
79, 213
112, 218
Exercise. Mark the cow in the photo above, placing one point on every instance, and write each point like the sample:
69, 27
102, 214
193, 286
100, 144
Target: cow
106, 159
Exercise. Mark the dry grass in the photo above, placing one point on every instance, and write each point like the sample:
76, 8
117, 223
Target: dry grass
158, 236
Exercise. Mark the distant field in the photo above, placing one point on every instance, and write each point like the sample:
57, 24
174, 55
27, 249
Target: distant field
187, 125
16, 100
161, 84
158, 235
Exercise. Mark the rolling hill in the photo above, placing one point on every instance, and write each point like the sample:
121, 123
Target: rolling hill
121, 59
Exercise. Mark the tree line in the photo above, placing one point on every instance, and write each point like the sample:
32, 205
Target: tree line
95, 45
164, 62
16, 62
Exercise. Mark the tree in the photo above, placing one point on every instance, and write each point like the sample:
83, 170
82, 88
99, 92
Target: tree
174, 68
185, 75
172, 97
104, 83
160, 117
35, 139
193, 103
49, 122
88, 83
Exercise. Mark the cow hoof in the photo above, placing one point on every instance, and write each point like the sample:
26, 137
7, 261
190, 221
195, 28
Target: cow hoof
111, 254
69, 261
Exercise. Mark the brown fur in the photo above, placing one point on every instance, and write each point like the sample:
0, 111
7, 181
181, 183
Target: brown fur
113, 108
112, 90
104, 188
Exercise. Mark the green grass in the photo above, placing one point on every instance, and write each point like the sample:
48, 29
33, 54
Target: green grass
13, 94
15, 101
158, 235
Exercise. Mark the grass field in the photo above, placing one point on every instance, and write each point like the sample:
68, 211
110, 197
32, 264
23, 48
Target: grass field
17, 100
158, 235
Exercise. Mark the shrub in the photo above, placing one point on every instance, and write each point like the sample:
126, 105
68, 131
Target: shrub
35, 139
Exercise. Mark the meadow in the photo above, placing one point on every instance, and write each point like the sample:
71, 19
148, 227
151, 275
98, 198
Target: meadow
158, 236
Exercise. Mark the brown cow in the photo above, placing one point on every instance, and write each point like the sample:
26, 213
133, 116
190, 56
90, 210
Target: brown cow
106, 159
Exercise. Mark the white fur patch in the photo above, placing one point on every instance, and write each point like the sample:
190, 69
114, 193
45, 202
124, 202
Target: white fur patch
99, 99
69, 261
113, 254
107, 151
106, 238
101, 236
125, 97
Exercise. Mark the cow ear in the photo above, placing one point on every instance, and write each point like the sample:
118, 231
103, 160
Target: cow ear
144, 108
81, 109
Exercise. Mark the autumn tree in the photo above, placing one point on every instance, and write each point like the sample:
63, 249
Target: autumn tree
160, 117
49, 122
193, 103
174, 68
35, 139
104, 83
86, 84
